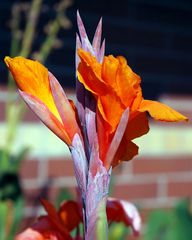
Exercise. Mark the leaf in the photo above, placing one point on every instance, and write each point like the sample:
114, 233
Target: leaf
17, 217
3, 219
117, 138
80, 162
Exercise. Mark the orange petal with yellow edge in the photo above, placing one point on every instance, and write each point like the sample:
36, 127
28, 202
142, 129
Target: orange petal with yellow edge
32, 77
160, 111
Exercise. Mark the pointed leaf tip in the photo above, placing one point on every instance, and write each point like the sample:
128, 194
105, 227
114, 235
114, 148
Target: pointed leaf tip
81, 27
97, 39
117, 138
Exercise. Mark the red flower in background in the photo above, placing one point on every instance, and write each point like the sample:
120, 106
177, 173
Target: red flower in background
57, 225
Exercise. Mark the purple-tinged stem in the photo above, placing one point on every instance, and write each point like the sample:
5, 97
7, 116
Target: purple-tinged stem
96, 200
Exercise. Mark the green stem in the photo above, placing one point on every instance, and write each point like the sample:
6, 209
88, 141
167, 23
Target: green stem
54, 28
49, 42
30, 28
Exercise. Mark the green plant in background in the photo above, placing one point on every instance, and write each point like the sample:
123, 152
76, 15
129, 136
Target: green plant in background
11, 195
118, 231
173, 224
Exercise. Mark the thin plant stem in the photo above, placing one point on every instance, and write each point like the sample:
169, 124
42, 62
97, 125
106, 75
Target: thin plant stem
53, 29
30, 28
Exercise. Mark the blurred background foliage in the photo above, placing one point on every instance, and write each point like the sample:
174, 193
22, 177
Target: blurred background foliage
172, 224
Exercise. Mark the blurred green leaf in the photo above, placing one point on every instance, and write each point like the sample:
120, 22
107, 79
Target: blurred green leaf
17, 217
170, 225
64, 195
118, 231
3, 219
15, 161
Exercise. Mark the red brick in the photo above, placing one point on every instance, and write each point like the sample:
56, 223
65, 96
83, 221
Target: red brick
60, 167
29, 169
160, 165
135, 191
180, 189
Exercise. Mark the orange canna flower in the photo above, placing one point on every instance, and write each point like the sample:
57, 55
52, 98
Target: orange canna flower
117, 88
42, 92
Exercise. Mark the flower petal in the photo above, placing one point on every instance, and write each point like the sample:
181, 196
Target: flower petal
137, 126
32, 77
111, 116
103, 135
123, 211
89, 74
126, 151
52, 214
125, 83
44, 229
69, 213
160, 111
128, 82
46, 116
29, 234
109, 70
